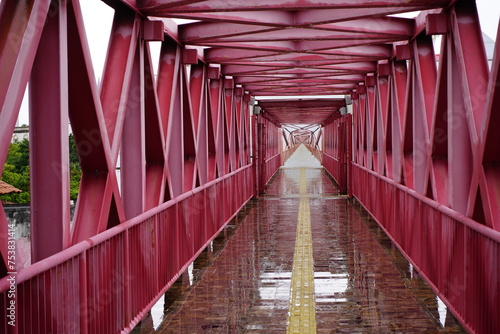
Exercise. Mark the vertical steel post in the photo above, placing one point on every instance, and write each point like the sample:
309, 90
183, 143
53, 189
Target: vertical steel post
133, 171
197, 87
261, 153
349, 154
49, 160
255, 154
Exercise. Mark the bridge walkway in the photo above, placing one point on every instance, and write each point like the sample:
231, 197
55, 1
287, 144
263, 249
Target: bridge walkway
242, 282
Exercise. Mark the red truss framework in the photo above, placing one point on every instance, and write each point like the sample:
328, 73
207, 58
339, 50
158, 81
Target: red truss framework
423, 136
292, 48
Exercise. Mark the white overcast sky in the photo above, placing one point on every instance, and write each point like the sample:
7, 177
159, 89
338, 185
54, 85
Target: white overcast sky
98, 18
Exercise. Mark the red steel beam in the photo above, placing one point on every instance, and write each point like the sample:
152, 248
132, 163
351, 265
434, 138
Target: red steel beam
398, 98
427, 130
384, 166
50, 223
199, 106
20, 33
117, 73
271, 18
99, 204
133, 156
220, 5
254, 34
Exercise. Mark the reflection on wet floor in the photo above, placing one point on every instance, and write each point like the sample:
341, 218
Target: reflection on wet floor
241, 282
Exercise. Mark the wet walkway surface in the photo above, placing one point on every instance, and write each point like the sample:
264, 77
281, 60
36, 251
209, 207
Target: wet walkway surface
242, 282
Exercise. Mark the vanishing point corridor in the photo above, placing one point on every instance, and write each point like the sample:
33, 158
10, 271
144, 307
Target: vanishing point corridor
152, 180
300, 259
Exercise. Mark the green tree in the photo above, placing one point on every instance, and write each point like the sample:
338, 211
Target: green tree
19, 155
75, 171
73, 153
16, 171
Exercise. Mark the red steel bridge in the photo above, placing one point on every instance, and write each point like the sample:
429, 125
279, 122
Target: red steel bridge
202, 135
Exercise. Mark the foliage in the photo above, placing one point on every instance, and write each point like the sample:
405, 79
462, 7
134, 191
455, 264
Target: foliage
18, 180
75, 171
16, 171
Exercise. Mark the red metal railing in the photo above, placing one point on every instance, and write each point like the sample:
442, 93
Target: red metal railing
268, 147
107, 283
336, 169
288, 153
456, 255
337, 150
271, 165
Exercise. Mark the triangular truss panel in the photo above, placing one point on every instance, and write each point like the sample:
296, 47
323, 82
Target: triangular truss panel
230, 74
314, 48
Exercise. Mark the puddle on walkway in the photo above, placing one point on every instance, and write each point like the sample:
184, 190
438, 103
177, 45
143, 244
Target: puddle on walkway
241, 282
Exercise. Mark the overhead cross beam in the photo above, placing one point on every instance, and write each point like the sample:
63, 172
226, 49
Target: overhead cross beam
291, 48
181, 6
299, 111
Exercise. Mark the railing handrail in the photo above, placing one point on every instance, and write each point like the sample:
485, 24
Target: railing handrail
79, 248
329, 155
482, 229
273, 157
453, 253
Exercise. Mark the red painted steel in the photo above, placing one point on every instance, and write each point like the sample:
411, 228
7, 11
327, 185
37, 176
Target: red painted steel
49, 140
170, 144
421, 135
299, 112
287, 153
132, 150
107, 283
418, 148
336, 150
465, 272
413, 125
99, 204
268, 150
20, 33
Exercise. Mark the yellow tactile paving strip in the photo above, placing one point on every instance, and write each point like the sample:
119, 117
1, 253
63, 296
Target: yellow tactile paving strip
302, 313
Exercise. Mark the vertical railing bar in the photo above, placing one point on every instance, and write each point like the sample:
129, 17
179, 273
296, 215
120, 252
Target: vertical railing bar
83, 292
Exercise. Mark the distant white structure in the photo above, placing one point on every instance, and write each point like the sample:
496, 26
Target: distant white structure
20, 133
